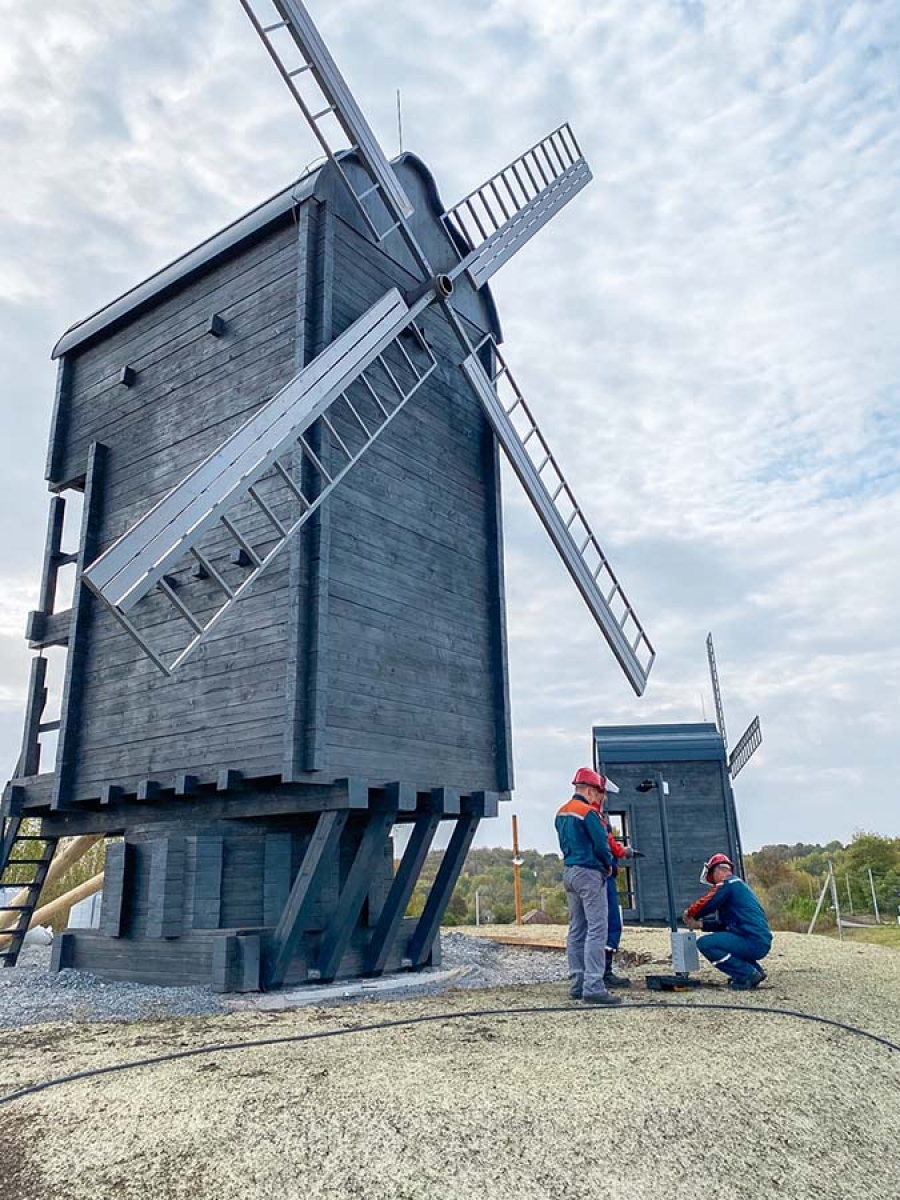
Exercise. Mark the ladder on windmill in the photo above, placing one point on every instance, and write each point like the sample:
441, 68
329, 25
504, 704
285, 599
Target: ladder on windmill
23, 848
510, 207
297, 49
561, 515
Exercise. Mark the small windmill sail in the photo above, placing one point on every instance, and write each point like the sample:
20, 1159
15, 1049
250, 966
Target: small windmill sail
750, 740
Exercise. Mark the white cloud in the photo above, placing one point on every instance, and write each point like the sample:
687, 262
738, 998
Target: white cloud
708, 333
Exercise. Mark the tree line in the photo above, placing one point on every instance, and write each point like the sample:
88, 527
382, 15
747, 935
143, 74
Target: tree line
787, 879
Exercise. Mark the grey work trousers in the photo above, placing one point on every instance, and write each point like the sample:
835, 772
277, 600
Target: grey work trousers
588, 916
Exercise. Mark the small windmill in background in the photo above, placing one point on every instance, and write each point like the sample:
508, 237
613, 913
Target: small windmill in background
750, 740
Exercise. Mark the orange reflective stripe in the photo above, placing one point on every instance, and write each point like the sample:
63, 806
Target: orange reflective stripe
574, 808
698, 904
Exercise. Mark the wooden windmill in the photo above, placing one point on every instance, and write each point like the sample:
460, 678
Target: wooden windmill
288, 630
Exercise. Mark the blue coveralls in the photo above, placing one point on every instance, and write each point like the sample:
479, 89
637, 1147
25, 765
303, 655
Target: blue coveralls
745, 937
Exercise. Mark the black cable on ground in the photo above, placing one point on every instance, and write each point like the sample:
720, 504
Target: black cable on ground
258, 1043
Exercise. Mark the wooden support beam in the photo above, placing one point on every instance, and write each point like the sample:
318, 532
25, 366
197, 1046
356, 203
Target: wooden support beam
445, 801
483, 804
30, 755
401, 889
70, 708
229, 780
50, 569
343, 919
48, 629
202, 802
165, 901
400, 796
112, 916
442, 889
322, 848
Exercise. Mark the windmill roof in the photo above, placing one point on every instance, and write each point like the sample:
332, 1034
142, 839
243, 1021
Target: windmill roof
658, 743
202, 256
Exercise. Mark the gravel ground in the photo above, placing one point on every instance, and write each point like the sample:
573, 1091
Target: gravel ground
30, 995
696, 1101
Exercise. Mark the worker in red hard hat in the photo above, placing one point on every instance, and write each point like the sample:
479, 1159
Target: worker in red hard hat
741, 934
614, 912
587, 862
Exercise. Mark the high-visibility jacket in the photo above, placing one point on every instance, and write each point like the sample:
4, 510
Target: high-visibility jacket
583, 839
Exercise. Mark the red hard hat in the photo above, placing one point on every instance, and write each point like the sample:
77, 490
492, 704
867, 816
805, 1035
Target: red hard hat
717, 860
588, 778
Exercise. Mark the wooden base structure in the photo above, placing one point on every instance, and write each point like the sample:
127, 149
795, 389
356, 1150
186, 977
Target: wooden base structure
279, 895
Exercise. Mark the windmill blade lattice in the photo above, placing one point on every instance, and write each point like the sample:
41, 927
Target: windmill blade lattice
352, 390
717, 694
311, 74
540, 476
747, 745
515, 203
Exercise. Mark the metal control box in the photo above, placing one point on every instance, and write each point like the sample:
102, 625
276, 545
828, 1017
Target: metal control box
685, 957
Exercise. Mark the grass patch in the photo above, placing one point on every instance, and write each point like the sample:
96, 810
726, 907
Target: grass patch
878, 935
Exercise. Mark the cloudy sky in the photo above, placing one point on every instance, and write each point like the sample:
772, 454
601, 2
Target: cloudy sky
707, 334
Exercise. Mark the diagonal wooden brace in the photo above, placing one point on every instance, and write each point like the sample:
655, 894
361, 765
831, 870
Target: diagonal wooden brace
318, 858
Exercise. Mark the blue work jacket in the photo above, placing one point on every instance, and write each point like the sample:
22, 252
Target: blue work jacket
736, 908
582, 835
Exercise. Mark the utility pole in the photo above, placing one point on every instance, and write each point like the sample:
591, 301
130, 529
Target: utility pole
517, 867
835, 901
874, 900
478, 906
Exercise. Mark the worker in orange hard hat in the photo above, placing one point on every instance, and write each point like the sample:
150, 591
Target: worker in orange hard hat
741, 934
587, 861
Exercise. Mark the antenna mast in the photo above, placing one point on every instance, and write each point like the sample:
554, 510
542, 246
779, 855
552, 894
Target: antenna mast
399, 122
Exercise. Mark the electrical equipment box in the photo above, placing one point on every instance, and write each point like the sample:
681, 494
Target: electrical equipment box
685, 957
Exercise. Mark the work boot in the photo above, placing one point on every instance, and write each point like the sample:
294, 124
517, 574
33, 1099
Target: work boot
760, 975
744, 985
602, 998
610, 978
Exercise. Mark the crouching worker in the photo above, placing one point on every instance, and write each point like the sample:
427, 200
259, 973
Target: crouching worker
742, 935
587, 861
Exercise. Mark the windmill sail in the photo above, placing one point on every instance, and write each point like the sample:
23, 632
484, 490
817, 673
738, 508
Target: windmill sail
370, 356
311, 74
717, 694
515, 203
563, 519
748, 743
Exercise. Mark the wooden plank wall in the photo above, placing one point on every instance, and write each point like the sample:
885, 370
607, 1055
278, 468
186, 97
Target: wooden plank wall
416, 687
698, 827
375, 647
228, 707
